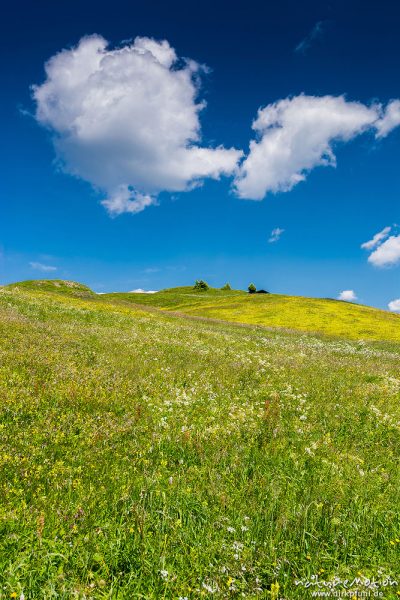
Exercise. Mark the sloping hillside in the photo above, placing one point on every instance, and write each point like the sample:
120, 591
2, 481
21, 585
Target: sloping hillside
148, 456
59, 286
319, 315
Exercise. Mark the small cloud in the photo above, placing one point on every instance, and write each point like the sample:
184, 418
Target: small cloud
386, 248
387, 254
275, 235
151, 270
316, 33
126, 200
394, 305
41, 267
140, 291
347, 295
377, 239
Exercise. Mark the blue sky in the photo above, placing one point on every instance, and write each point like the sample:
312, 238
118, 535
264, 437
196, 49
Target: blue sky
258, 54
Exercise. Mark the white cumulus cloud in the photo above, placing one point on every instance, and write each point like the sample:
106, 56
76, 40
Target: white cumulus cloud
141, 291
127, 120
275, 235
387, 254
294, 136
41, 267
347, 295
394, 305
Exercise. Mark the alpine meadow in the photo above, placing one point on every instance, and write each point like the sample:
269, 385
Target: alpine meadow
200, 300
150, 454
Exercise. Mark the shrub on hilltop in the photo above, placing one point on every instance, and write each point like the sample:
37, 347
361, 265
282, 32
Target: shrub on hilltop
252, 288
226, 287
200, 285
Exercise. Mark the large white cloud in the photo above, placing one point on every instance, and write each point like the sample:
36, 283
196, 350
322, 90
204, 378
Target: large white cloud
127, 120
387, 254
294, 136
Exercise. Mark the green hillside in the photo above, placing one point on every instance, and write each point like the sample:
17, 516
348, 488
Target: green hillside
319, 315
144, 455
71, 288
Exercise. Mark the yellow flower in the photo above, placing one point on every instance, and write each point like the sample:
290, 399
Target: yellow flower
308, 557
13, 595
274, 589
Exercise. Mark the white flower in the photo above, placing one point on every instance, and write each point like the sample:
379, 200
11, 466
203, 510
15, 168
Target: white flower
164, 573
243, 528
208, 588
231, 529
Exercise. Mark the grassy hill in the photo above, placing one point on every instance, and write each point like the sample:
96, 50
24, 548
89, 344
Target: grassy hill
59, 286
320, 315
145, 455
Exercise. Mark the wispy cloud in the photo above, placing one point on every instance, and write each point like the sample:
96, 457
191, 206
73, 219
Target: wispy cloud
390, 119
347, 295
275, 235
41, 267
377, 239
316, 33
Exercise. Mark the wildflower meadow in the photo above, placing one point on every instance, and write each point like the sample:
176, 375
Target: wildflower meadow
149, 455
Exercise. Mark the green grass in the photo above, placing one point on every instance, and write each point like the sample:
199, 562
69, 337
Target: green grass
319, 315
148, 456
71, 288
